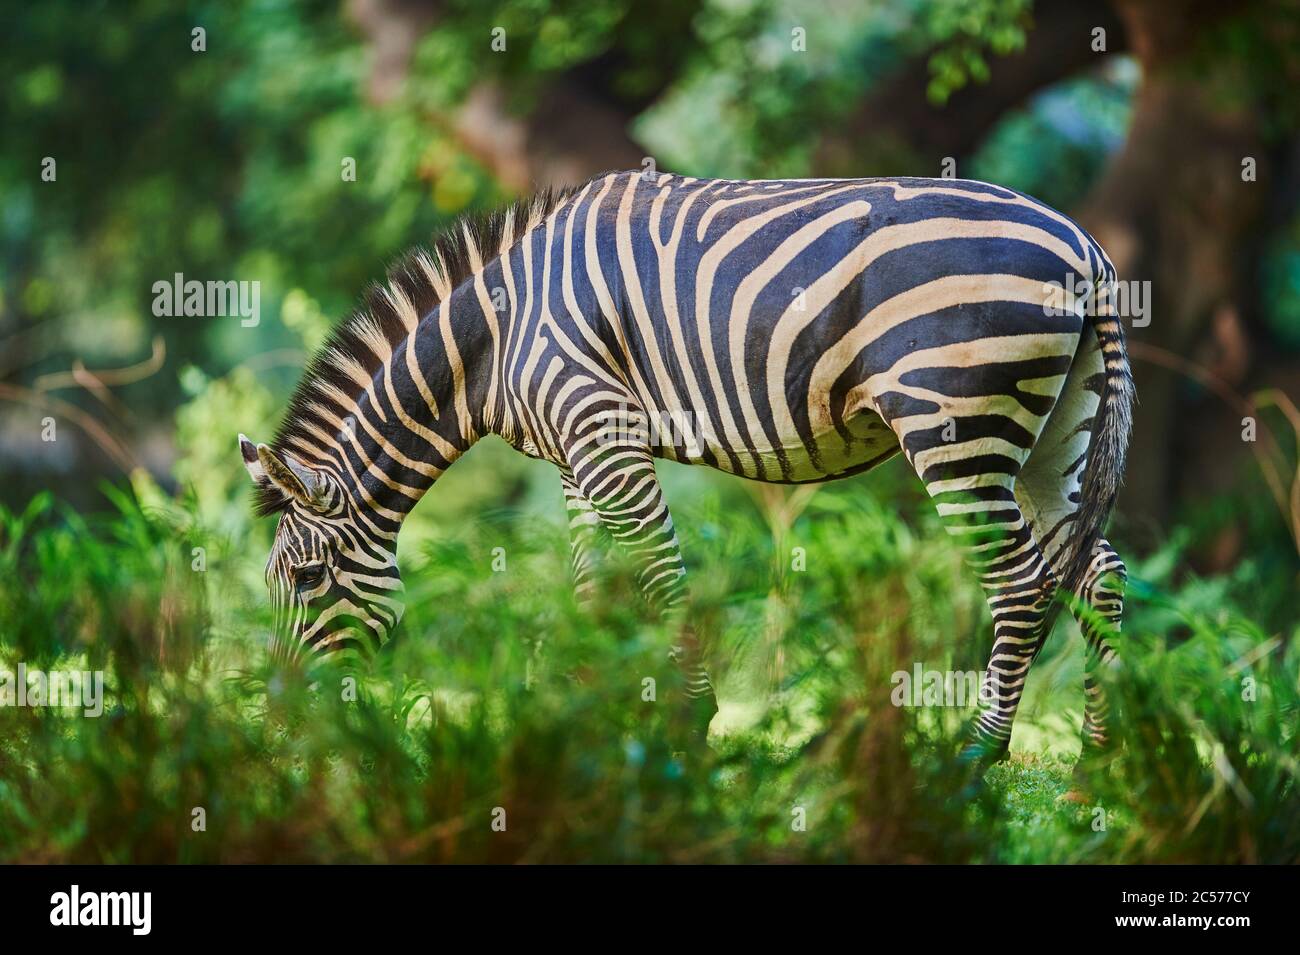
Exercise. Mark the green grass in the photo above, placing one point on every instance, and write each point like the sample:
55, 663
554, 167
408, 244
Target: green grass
500, 694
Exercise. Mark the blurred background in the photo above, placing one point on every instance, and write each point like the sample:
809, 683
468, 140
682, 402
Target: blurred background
216, 140
1168, 128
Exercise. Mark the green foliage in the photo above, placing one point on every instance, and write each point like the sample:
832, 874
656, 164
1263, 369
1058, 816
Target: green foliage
1213, 773
1056, 147
751, 104
116, 588
963, 33
499, 692
224, 164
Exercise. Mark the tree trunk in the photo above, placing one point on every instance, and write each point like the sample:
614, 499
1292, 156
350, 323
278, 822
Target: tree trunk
1173, 209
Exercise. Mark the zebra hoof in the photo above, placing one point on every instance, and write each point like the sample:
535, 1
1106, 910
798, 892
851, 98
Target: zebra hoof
980, 755
689, 724
701, 712
1093, 762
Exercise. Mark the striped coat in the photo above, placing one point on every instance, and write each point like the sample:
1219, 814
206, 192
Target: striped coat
787, 331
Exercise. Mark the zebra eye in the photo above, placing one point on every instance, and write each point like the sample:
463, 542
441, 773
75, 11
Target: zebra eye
308, 578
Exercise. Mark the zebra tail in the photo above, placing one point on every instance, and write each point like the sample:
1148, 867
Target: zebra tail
1104, 469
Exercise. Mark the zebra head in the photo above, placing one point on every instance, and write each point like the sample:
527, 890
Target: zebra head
334, 584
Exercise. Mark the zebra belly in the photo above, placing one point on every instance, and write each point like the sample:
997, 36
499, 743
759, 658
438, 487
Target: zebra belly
865, 442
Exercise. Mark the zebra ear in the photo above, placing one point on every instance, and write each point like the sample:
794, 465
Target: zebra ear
248, 451
286, 473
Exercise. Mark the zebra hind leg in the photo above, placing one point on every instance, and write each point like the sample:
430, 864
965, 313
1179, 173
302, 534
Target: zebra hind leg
1018, 584
1102, 595
1046, 489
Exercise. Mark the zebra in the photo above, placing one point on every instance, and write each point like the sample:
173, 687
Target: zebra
792, 331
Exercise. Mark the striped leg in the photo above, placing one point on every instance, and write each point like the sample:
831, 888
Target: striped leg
1102, 592
1048, 489
585, 544
970, 473
1019, 587
620, 486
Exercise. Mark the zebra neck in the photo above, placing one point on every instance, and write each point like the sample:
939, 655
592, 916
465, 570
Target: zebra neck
422, 410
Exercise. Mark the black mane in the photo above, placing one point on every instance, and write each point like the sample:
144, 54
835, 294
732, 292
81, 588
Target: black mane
450, 257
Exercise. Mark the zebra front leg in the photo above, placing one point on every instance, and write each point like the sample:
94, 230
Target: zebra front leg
621, 488
586, 546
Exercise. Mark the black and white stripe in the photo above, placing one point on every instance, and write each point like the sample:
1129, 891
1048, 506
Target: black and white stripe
788, 331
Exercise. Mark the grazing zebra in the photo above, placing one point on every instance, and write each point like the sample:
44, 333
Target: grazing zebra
786, 331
